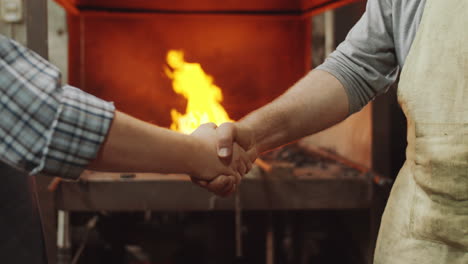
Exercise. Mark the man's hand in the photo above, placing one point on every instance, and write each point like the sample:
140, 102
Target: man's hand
232, 141
220, 176
228, 134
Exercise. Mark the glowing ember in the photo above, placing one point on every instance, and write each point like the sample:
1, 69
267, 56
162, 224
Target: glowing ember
203, 96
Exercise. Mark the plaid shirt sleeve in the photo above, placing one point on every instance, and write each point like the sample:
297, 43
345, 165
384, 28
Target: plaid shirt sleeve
45, 127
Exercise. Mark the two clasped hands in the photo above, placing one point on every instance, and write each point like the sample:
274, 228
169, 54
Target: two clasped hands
226, 155
218, 157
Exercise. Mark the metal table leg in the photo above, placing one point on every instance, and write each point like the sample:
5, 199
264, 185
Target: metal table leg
63, 238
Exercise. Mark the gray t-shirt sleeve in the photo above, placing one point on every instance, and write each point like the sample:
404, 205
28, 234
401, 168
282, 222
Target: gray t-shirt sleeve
365, 63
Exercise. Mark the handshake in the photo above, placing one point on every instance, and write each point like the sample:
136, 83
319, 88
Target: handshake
224, 155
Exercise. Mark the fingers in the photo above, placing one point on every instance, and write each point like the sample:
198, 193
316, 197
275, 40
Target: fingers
237, 168
210, 125
238, 178
247, 163
225, 136
234, 160
204, 128
242, 167
227, 190
222, 186
199, 182
228, 133
242, 159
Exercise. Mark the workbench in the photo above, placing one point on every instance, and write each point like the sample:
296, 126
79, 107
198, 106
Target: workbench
134, 192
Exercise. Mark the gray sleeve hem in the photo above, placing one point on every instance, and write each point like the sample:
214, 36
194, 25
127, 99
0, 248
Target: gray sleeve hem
354, 105
365, 63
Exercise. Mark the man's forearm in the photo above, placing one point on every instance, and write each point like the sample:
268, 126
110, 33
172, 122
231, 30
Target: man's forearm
315, 103
136, 146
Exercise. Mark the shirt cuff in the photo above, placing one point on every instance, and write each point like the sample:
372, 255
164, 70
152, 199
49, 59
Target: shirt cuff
78, 133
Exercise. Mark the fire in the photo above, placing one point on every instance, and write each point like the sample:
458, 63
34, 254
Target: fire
203, 96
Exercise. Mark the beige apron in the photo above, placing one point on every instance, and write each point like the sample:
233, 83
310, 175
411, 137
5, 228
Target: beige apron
426, 218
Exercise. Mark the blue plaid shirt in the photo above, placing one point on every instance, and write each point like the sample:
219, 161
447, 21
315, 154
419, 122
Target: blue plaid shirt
46, 127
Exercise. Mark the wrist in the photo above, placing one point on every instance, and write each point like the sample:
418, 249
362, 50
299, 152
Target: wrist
245, 129
266, 132
189, 155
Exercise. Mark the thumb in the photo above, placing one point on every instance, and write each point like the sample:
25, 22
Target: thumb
244, 136
225, 136
228, 133
198, 182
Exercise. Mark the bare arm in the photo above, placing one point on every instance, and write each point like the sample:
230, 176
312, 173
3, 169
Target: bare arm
365, 63
315, 103
136, 146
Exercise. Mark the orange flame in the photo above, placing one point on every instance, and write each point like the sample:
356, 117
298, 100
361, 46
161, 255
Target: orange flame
203, 96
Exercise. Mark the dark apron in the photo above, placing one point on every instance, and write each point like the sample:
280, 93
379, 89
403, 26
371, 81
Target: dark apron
21, 238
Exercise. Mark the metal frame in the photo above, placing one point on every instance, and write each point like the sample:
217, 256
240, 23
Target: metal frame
136, 192
37, 40
177, 193
36, 23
